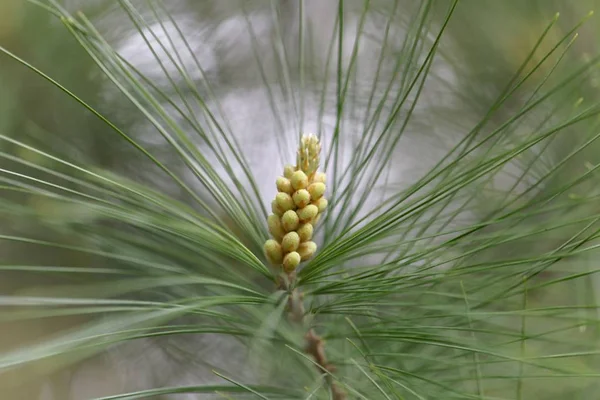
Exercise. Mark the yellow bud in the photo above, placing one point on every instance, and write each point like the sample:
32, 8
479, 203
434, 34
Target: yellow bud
319, 177
275, 227
275, 209
307, 250
288, 171
305, 231
290, 221
273, 251
291, 261
307, 213
299, 180
290, 242
321, 204
301, 198
307, 158
284, 185
284, 201
316, 190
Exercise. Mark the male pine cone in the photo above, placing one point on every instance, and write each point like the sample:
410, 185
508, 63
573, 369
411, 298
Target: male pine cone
297, 207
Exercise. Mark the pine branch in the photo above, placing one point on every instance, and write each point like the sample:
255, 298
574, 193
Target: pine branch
314, 345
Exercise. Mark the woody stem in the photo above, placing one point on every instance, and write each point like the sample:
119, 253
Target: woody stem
314, 344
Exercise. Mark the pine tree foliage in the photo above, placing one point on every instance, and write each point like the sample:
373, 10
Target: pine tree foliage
455, 258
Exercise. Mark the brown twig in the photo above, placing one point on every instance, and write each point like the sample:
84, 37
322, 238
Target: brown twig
314, 344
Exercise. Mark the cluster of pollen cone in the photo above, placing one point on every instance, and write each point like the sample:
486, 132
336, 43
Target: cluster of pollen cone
297, 208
